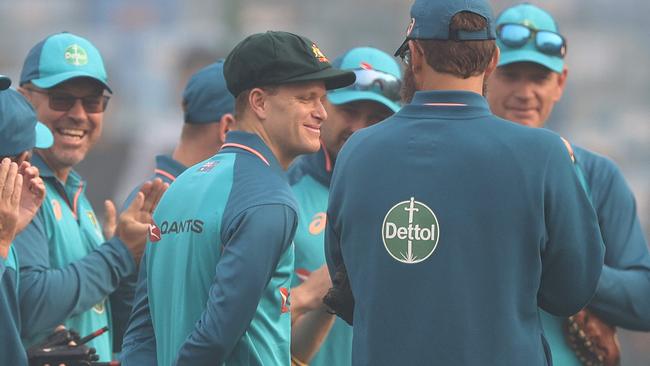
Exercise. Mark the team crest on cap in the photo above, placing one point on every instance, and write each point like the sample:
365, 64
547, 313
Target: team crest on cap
409, 29
410, 231
76, 55
318, 53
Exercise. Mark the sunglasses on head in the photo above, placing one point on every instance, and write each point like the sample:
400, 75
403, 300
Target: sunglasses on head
378, 82
62, 102
518, 35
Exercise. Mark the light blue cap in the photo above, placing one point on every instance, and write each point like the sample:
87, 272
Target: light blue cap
365, 58
19, 129
61, 57
535, 18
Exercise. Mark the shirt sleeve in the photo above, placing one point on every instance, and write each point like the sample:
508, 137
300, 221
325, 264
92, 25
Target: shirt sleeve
254, 244
623, 295
139, 348
573, 253
49, 296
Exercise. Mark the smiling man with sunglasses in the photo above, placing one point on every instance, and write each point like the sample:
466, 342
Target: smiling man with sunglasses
69, 274
528, 82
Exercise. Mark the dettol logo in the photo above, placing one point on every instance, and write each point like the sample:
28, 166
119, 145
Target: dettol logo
410, 231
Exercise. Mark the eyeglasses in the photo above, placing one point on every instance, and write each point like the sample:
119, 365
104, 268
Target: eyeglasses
518, 35
62, 102
378, 82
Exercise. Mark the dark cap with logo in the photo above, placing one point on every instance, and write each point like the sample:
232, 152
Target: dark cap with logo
430, 19
19, 129
276, 58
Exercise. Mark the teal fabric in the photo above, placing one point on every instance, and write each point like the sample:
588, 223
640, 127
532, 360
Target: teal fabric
215, 287
68, 274
11, 348
309, 180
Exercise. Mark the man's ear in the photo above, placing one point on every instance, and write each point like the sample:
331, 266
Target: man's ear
225, 123
417, 56
561, 83
257, 101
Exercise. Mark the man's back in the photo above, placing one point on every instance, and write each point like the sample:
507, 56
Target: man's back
463, 224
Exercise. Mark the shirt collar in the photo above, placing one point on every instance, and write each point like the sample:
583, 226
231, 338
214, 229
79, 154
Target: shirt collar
46, 172
167, 164
240, 141
448, 104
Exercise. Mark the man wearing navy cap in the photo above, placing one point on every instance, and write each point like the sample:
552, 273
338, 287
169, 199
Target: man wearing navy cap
21, 193
68, 271
453, 225
208, 109
372, 98
528, 82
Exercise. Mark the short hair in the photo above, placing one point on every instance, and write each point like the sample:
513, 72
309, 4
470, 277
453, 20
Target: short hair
241, 101
460, 58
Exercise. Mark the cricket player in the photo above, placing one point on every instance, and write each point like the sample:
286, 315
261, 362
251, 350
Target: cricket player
218, 269
373, 97
453, 225
528, 82
68, 271
208, 109
21, 193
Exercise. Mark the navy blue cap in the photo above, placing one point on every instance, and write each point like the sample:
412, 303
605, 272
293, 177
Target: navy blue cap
206, 98
430, 19
5, 82
19, 129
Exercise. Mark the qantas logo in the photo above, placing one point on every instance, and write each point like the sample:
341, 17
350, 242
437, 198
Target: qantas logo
302, 274
284, 293
181, 226
154, 233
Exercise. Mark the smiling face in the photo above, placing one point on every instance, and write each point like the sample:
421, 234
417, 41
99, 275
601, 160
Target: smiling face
525, 92
75, 131
293, 119
345, 119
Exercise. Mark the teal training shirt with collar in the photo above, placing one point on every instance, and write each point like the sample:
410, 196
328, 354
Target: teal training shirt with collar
11, 347
454, 226
217, 281
68, 272
310, 177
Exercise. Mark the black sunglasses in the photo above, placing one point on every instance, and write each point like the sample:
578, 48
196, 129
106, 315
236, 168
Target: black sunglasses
62, 102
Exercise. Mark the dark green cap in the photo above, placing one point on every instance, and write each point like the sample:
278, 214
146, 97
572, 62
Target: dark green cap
276, 58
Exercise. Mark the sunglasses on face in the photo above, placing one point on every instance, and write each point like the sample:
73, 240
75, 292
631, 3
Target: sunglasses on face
518, 35
378, 82
62, 102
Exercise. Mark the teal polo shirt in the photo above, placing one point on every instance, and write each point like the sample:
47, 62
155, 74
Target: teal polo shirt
11, 347
68, 271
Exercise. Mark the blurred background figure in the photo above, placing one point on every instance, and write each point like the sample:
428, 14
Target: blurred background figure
151, 48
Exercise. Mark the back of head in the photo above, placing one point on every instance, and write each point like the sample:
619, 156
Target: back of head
206, 98
61, 57
457, 37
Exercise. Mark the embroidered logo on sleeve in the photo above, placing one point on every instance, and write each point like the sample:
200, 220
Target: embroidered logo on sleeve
410, 232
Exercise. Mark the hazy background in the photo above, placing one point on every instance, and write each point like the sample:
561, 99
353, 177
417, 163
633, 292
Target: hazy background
151, 47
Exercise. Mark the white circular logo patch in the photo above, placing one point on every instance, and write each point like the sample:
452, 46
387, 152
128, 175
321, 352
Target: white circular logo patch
410, 232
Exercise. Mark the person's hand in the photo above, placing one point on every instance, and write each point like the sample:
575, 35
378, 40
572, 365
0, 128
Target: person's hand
11, 184
133, 224
110, 220
32, 196
309, 295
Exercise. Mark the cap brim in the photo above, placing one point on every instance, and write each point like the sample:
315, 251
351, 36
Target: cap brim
54, 80
5, 82
523, 55
348, 96
333, 78
44, 137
